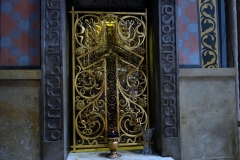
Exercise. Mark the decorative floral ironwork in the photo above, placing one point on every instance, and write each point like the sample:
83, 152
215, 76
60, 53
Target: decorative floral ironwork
110, 77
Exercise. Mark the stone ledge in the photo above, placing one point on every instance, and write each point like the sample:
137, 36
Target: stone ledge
125, 155
20, 74
207, 72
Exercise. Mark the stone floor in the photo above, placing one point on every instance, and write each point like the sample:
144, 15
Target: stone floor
125, 155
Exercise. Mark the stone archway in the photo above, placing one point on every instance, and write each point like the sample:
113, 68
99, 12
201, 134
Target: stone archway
55, 143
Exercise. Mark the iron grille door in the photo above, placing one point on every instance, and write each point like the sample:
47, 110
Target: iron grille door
110, 80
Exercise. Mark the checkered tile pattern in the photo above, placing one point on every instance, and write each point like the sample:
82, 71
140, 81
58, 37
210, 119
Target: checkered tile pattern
20, 33
188, 33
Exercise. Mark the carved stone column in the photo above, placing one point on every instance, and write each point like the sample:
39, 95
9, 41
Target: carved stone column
167, 138
54, 91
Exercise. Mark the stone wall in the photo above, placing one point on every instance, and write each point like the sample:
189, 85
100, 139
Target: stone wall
19, 112
208, 114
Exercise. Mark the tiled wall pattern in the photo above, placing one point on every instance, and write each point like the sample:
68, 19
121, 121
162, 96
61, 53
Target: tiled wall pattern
188, 33
20, 33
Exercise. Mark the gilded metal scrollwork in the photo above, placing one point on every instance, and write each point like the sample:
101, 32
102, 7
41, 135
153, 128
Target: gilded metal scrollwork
110, 80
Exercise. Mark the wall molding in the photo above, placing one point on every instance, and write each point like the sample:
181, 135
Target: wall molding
20, 74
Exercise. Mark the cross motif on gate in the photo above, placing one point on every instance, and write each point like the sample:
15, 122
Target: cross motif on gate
110, 77
111, 51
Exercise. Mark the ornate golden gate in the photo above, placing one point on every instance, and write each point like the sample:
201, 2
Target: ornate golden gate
110, 82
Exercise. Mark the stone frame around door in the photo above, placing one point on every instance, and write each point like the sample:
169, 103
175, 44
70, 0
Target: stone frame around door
54, 79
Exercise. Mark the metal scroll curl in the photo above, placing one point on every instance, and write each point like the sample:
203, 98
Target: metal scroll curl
133, 103
89, 31
131, 31
89, 105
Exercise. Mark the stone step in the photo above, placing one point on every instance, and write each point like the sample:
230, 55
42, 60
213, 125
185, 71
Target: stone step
125, 155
